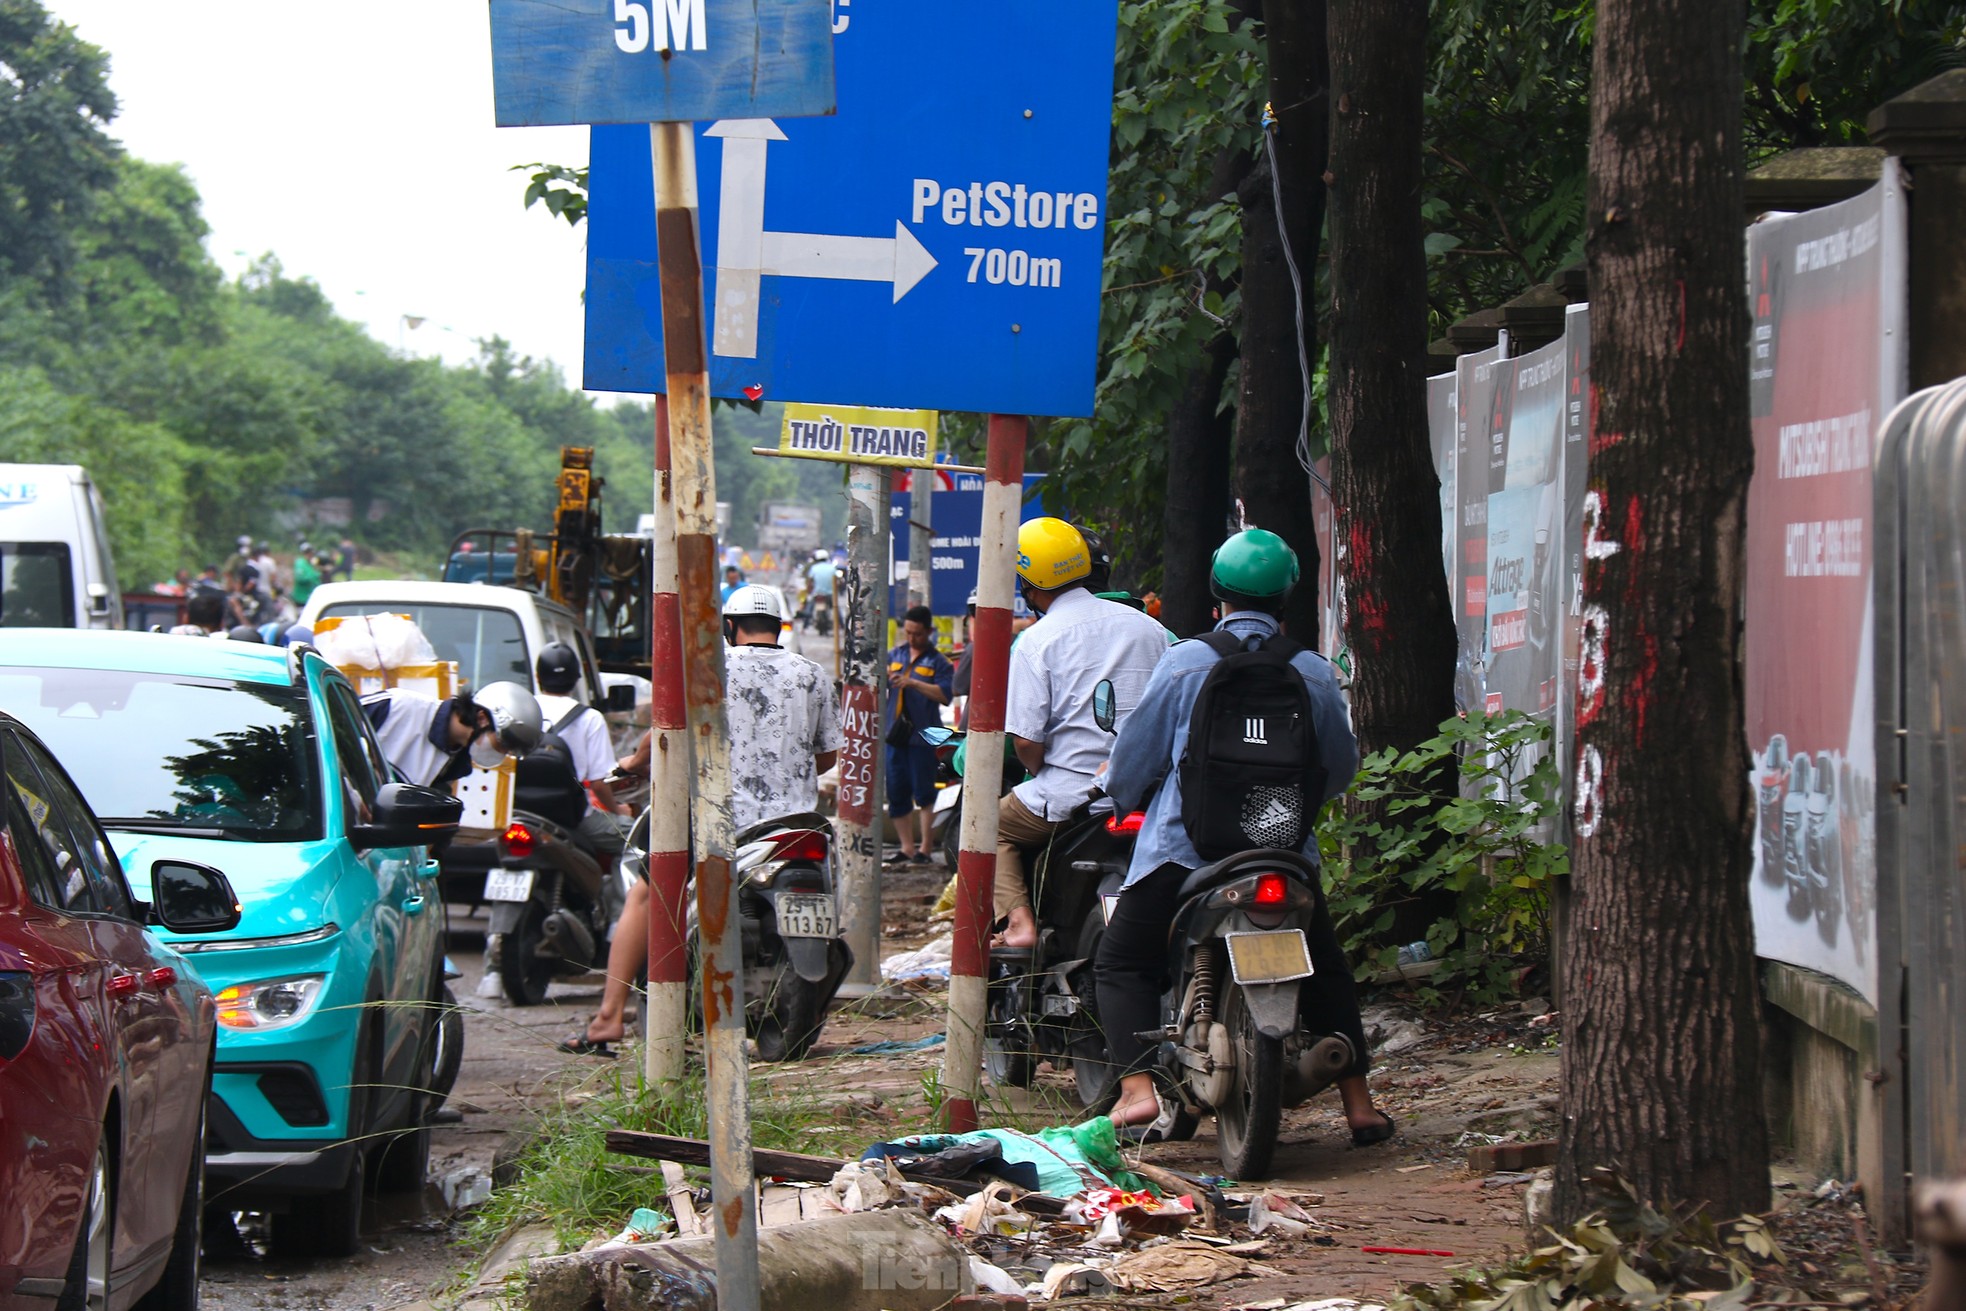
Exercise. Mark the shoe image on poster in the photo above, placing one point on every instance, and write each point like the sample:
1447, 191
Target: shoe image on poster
1795, 855
1770, 773
1825, 851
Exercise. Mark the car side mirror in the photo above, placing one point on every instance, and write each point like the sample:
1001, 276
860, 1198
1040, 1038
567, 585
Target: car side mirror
1105, 705
405, 815
188, 898
620, 699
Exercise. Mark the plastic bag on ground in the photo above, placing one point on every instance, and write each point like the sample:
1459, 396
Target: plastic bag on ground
931, 961
865, 1185
1069, 1159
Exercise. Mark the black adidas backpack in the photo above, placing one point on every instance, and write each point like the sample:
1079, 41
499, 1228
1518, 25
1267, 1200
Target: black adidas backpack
1251, 775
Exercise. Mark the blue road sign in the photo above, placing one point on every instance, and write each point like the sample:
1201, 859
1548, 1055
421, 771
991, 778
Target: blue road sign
653, 61
955, 548
935, 245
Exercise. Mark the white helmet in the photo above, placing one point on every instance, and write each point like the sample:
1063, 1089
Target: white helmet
752, 599
821, 554
516, 723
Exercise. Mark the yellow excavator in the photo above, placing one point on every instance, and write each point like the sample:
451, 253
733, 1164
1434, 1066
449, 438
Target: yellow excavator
603, 578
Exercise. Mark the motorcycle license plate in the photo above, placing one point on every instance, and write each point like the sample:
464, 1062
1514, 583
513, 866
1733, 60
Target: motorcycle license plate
508, 885
807, 915
1275, 957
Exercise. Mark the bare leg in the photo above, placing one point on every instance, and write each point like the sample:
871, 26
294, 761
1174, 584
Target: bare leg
927, 818
904, 829
1137, 1103
1021, 931
625, 955
1360, 1113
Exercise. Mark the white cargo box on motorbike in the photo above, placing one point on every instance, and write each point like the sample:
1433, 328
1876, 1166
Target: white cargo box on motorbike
486, 793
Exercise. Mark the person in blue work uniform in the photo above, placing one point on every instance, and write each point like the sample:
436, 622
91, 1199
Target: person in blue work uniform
919, 679
1252, 575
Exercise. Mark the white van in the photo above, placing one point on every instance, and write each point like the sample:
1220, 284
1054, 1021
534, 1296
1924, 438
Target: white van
55, 566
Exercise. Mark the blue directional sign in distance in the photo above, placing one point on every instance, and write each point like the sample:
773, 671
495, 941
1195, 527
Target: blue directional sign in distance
935, 245
653, 61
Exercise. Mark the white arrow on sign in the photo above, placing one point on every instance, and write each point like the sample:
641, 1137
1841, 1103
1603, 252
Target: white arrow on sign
746, 252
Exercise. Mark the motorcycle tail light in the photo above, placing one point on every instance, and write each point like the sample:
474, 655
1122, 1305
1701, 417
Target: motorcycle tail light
16, 1013
1128, 823
808, 845
516, 840
1271, 890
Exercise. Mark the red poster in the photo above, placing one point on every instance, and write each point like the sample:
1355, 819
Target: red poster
860, 712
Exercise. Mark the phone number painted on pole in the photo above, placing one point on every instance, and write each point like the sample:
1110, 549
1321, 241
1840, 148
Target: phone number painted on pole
652, 61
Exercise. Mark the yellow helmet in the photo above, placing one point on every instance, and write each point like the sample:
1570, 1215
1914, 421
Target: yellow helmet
1051, 554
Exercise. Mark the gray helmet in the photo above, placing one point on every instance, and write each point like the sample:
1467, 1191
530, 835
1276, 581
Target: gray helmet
516, 724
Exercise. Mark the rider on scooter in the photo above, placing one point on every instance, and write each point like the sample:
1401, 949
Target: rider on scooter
1054, 667
1252, 575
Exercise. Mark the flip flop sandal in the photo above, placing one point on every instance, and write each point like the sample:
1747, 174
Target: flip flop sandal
1378, 1133
582, 1045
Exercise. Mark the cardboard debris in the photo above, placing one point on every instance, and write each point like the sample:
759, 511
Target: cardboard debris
1174, 1266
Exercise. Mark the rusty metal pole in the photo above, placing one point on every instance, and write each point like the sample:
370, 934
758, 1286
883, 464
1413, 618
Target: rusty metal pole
720, 958
921, 537
976, 866
860, 617
666, 1013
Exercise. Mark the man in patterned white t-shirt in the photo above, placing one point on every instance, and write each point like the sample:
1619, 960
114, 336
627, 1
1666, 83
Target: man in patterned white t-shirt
784, 719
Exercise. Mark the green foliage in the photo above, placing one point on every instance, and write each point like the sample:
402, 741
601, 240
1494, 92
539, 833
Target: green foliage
1391, 838
1625, 1256
1816, 68
55, 152
561, 189
1189, 89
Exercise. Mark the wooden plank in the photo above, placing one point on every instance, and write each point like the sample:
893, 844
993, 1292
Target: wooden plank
694, 1151
680, 1203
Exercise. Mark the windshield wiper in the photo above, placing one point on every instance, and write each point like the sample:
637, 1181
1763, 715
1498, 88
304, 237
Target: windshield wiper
151, 824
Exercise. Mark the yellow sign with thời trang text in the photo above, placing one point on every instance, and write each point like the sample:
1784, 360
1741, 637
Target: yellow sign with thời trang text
859, 434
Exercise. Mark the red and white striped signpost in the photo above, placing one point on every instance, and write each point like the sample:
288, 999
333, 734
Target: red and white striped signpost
1003, 495
666, 1013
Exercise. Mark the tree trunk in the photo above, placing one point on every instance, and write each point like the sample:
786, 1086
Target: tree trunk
1397, 619
1662, 1045
1274, 488
1200, 443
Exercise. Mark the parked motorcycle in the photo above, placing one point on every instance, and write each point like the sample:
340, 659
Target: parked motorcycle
549, 915
788, 919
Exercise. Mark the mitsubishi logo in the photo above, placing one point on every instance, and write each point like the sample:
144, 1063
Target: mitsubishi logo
1254, 731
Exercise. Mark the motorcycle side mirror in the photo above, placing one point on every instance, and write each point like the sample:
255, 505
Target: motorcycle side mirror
936, 737
1105, 706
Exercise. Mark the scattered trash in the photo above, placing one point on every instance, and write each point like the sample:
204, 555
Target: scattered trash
465, 1187
1074, 1279
1400, 1035
931, 961
1414, 1169
1505, 1180
644, 1226
1174, 1266
1274, 1213
865, 1185
991, 1279
986, 1213
1062, 1161
899, 1045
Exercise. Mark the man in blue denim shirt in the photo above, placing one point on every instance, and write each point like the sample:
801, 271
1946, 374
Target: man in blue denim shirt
1252, 575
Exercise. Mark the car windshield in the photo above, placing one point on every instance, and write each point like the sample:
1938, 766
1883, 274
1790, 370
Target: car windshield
487, 643
166, 751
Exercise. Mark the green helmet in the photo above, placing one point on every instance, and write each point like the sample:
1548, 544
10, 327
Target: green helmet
1254, 565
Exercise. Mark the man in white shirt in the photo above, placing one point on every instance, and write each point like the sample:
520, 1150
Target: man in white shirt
1079, 641
585, 731
784, 722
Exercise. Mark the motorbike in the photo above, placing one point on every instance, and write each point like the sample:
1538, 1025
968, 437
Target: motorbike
549, 914
822, 614
794, 958
1041, 1003
1235, 1039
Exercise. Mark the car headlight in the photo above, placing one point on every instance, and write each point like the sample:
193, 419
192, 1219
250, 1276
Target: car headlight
270, 1003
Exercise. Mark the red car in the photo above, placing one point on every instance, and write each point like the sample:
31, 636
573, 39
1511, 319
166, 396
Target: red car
106, 1039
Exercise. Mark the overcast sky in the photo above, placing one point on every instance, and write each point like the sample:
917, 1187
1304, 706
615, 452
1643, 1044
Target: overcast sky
354, 140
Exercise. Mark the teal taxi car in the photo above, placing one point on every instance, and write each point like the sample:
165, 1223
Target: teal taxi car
257, 761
